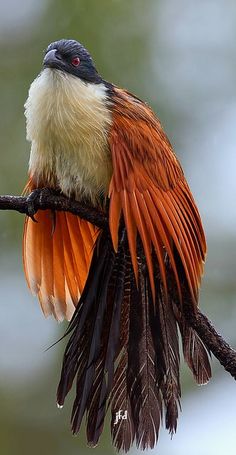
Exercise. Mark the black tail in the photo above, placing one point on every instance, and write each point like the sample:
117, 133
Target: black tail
124, 351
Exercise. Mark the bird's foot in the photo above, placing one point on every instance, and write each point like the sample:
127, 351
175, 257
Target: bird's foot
35, 199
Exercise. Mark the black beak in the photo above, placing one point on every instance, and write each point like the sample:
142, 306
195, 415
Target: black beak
52, 59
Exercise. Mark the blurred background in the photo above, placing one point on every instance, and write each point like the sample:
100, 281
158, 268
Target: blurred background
181, 58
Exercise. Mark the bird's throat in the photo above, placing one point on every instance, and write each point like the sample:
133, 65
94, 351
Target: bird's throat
68, 123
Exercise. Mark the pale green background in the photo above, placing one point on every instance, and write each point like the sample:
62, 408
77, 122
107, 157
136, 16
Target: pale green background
180, 56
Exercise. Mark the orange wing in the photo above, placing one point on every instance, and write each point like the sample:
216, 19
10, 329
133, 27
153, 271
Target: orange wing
148, 187
56, 257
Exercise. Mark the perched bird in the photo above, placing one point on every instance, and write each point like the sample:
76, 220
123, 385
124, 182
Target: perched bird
129, 289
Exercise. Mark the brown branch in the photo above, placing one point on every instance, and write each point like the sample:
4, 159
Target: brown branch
45, 199
215, 343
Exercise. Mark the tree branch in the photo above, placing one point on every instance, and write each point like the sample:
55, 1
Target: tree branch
215, 343
45, 199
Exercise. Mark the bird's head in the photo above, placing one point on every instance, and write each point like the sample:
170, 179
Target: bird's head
68, 95
71, 57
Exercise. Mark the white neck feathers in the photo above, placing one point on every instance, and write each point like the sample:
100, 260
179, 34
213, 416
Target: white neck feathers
68, 122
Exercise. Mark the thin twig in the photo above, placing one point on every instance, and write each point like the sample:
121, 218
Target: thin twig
48, 200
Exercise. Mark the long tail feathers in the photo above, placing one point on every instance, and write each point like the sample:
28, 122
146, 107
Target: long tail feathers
124, 351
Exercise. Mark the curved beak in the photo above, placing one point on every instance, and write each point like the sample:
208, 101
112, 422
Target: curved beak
52, 59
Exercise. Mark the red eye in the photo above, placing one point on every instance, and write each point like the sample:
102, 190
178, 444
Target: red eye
75, 61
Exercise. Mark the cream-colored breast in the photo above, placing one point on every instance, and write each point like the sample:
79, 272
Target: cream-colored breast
67, 123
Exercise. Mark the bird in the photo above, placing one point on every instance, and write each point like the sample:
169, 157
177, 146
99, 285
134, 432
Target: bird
127, 290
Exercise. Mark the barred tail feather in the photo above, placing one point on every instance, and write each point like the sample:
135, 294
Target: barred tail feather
196, 354
123, 350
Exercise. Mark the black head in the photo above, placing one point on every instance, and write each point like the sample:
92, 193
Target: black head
71, 57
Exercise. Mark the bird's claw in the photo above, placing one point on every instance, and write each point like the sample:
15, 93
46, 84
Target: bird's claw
32, 206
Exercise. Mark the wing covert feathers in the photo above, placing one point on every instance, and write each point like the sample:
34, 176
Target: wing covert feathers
57, 252
149, 189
